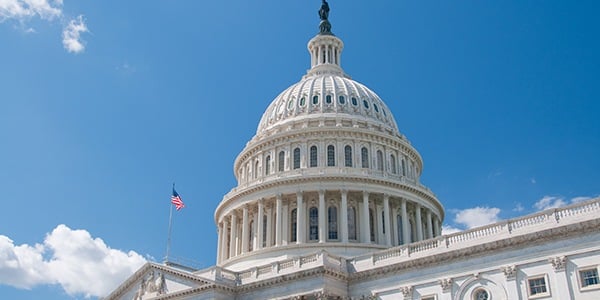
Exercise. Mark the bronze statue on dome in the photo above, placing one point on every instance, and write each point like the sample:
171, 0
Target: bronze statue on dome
324, 26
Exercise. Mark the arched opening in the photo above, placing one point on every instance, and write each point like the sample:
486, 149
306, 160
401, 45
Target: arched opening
364, 157
330, 156
313, 156
332, 221
313, 222
297, 158
293, 225
348, 156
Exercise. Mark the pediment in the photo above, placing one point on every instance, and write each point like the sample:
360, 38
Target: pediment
154, 281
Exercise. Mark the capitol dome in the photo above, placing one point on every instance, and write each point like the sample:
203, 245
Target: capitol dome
328, 169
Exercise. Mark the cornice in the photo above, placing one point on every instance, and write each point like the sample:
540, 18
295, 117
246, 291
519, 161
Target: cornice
291, 181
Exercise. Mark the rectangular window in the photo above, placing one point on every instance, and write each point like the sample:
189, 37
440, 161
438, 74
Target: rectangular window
589, 278
537, 286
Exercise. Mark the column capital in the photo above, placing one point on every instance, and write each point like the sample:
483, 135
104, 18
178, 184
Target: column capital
321, 192
559, 263
279, 196
299, 194
344, 192
386, 196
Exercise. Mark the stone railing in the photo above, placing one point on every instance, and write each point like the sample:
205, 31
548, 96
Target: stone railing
287, 266
547, 219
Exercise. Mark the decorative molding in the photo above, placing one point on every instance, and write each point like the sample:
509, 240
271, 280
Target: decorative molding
407, 292
559, 263
446, 284
510, 272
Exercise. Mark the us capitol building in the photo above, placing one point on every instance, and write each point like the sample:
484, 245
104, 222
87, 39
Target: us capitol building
329, 205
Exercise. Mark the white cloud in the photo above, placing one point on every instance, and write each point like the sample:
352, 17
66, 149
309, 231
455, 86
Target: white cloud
580, 199
519, 207
81, 264
22, 11
533, 181
447, 229
72, 35
548, 202
477, 216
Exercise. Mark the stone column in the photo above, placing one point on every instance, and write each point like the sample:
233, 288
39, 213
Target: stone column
233, 241
419, 222
322, 218
219, 240
366, 230
300, 219
387, 220
224, 235
269, 226
278, 220
245, 229
405, 224
344, 220
259, 227
429, 225
562, 290
512, 284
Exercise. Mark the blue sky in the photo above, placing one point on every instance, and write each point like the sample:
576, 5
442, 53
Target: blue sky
103, 104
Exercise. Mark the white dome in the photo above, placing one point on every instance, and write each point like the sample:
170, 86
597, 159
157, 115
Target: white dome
323, 95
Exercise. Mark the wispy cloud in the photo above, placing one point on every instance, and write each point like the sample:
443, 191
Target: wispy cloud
73, 259
72, 35
477, 216
22, 11
519, 207
447, 229
548, 202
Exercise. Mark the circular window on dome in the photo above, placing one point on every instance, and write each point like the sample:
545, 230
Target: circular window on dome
354, 101
384, 113
481, 294
366, 104
302, 101
328, 99
375, 107
342, 100
315, 100
290, 104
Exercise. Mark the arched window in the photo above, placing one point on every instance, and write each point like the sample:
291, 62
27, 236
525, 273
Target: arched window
264, 231
297, 158
400, 229
403, 168
372, 224
268, 165
256, 169
393, 164
348, 156
364, 157
313, 222
281, 162
412, 229
249, 171
332, 219
379, 160
383, 221
352, 223
330, 156
251, 236
313, 156
294, 223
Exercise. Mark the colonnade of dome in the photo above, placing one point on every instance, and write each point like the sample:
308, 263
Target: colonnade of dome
327, 169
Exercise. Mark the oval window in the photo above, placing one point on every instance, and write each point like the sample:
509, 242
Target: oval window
328, 99
291, 104
315, 100
302, 101
366, 104
354, 101
342, 100
375, 107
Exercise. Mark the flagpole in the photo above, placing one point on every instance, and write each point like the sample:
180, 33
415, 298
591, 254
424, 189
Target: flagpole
170, 226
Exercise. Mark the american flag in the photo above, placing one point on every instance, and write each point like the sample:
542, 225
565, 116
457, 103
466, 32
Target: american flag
176, 200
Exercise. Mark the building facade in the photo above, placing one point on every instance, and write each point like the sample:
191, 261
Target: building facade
329, 205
